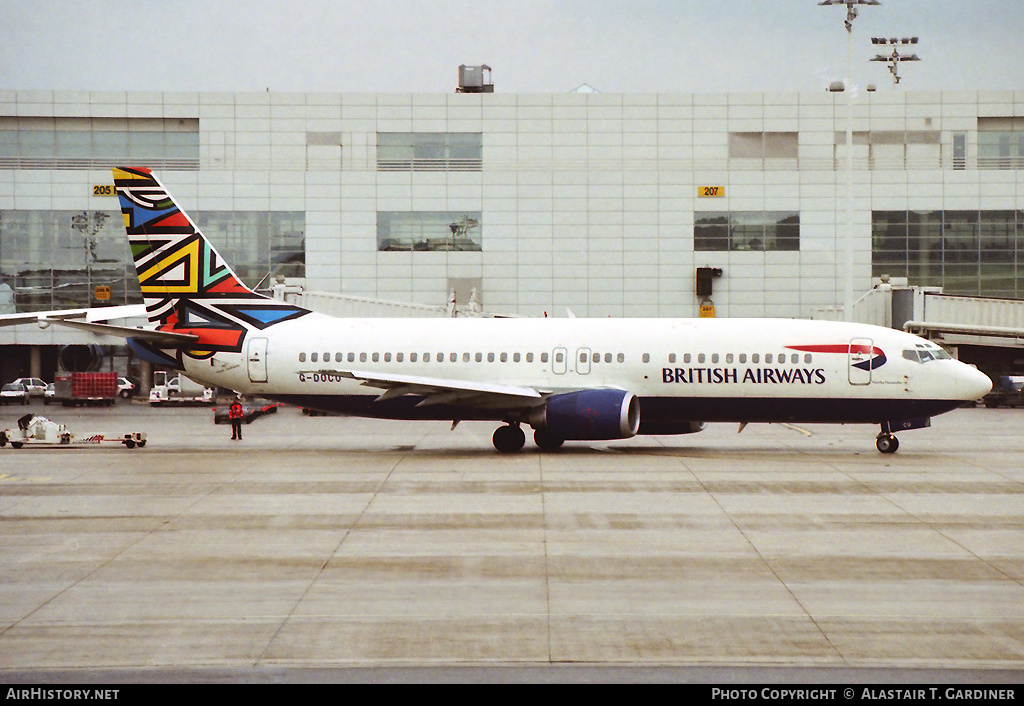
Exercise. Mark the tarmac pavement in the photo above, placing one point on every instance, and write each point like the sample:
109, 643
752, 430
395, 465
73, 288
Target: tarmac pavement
328, 543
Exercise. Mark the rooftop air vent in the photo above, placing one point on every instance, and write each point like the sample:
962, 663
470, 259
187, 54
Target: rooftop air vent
475, 79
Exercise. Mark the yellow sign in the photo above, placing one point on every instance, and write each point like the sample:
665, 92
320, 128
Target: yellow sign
707, 310
104, 190
102, 293
710, 191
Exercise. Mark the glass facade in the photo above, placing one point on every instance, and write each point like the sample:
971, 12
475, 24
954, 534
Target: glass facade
964, 252
737, 231
58, 259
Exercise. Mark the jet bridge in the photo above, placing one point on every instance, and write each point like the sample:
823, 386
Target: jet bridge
985, 331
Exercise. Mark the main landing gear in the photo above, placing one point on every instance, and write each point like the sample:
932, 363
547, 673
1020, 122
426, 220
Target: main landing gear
887, 442
508, 439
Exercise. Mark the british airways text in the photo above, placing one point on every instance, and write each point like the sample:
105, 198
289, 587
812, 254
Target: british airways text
717, 376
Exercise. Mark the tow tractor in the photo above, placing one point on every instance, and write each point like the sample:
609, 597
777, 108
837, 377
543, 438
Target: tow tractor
40, 431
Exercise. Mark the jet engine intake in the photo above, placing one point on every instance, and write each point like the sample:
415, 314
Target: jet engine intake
589, 415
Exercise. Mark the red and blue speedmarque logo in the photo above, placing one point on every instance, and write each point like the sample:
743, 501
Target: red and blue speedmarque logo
876, 361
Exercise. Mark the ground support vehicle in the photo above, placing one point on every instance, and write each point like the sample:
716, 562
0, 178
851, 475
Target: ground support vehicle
73, 389
14, 393
35, 386
178, 391
1008, 391
33, 430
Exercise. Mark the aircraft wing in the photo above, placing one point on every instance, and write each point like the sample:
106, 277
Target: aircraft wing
440, 390
89, 320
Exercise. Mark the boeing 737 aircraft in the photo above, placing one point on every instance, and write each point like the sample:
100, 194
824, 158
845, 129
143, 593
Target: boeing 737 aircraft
568, 379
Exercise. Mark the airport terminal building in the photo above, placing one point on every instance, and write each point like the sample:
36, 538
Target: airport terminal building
529, 204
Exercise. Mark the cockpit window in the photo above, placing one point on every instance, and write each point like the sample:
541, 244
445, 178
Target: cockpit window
923, 354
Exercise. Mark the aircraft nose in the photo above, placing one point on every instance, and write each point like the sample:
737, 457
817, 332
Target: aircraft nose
972, 384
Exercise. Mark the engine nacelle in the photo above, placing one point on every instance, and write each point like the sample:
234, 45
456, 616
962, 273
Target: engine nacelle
589, 415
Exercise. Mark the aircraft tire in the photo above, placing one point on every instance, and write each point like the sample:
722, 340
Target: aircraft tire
508, 439
547, 441
887, 443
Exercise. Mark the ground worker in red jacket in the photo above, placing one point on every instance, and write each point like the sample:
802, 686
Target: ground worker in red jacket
235, 414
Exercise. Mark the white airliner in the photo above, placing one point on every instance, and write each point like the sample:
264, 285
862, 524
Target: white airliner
569, 379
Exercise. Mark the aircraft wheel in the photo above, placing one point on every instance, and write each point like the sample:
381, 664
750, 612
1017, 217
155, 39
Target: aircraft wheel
887, 443
546, 440
508, 439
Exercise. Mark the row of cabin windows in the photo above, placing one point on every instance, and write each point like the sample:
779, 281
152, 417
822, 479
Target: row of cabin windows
781, 358
584, 356
426, 357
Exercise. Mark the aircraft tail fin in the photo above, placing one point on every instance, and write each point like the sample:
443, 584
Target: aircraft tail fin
187, 286
172, 257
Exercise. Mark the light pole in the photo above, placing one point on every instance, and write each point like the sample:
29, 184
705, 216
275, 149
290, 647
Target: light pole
851, 15
895, 58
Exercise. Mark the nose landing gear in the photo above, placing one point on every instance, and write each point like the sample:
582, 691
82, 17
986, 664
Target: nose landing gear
887, 443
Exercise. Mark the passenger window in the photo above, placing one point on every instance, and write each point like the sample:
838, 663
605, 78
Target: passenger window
490, 357
387, 357
743, 357
302, 357
559, 357
672, 358
515, 357
768, 357
607, 357
413, 358
647, 357
399, 357
440, 357
351, 357
314, 357
807, 358
376, 357
700, 358
755, 358
544, 357
687, 358
362, 357
453, 357
479, 357
728, 357
621, 357
465, 357
529, 357
596, 358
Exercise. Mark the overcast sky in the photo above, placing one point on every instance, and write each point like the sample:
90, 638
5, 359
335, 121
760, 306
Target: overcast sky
532, 46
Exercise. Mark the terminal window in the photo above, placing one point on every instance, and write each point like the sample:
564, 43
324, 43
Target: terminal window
429, 231
738, 231
58, 259
964, 252
429, 151
96, 143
